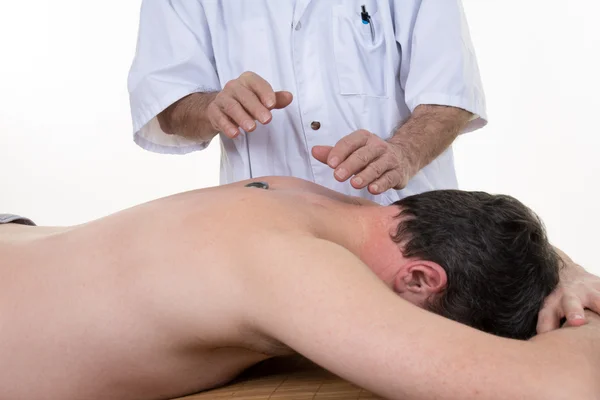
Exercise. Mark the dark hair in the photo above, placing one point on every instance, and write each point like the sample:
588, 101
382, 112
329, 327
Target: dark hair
495, 252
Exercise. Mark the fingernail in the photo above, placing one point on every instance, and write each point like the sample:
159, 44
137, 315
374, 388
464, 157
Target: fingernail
233, 133
357, 181
270, 103
334, 162
375, 188
249, 125
577, 316
341, 173
264, 118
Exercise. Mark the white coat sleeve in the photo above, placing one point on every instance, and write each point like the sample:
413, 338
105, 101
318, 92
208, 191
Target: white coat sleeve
173, 59
438, 63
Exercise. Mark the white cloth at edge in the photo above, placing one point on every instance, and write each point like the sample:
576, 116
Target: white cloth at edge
319, 50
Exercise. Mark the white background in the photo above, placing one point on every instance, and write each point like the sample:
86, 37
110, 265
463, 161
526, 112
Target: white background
66, 153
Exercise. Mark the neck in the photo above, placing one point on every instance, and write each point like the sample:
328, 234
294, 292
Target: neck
365, 231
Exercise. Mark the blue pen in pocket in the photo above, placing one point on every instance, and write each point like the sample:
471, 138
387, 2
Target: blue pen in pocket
366, 19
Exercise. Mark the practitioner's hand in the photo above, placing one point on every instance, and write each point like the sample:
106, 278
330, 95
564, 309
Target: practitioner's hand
577, 290
242, 102
372, 161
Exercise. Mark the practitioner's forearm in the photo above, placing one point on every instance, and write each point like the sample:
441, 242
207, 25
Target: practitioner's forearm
188, 117
429, 131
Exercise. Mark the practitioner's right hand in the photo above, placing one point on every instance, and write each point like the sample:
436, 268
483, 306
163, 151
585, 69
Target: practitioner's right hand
242, 102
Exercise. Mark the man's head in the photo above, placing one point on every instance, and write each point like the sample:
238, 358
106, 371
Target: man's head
479, 259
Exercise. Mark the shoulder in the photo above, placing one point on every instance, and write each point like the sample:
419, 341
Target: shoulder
313, 256
296, 184
302, 266
300, 274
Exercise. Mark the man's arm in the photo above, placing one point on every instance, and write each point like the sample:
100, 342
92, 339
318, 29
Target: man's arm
429, 131
389, 164
442, 87
577, 290
188, 117
174, 58
244, 100
174, 78
324, 303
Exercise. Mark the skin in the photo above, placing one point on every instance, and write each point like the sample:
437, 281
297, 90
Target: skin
242, 102
181, 294
372, 161
367, 159
389, 164
578, 290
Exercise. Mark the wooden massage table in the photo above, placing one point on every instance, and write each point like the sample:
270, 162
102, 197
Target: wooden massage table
291, 378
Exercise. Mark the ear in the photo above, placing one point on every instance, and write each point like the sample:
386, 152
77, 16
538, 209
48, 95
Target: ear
419, 279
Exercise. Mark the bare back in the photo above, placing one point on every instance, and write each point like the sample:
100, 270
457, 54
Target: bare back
148, 302
181, 294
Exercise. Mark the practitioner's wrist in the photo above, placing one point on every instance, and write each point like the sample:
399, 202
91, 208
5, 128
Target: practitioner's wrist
188, 117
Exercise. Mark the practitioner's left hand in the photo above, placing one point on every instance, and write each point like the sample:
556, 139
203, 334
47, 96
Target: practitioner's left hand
577, 290
369, 160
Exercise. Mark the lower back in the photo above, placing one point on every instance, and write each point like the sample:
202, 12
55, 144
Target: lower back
130, 306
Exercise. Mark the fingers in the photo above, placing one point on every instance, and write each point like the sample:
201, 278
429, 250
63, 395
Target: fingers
343, 149
393, 178
569, 306
242, 102
373, 171
231, 107
578, 291
248, 100
283, 99
363, 159
572, 309
321, 153
548, 320
251, 102
221, 122
369, 158
260, 87
347, 146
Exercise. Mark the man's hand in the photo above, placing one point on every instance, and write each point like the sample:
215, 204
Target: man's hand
386, 164
577, 290
242, 102
372, 161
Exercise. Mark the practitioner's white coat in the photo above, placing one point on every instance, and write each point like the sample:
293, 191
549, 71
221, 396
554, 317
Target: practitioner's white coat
341, 73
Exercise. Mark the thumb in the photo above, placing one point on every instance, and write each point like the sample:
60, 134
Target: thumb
283, 99
321, 153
